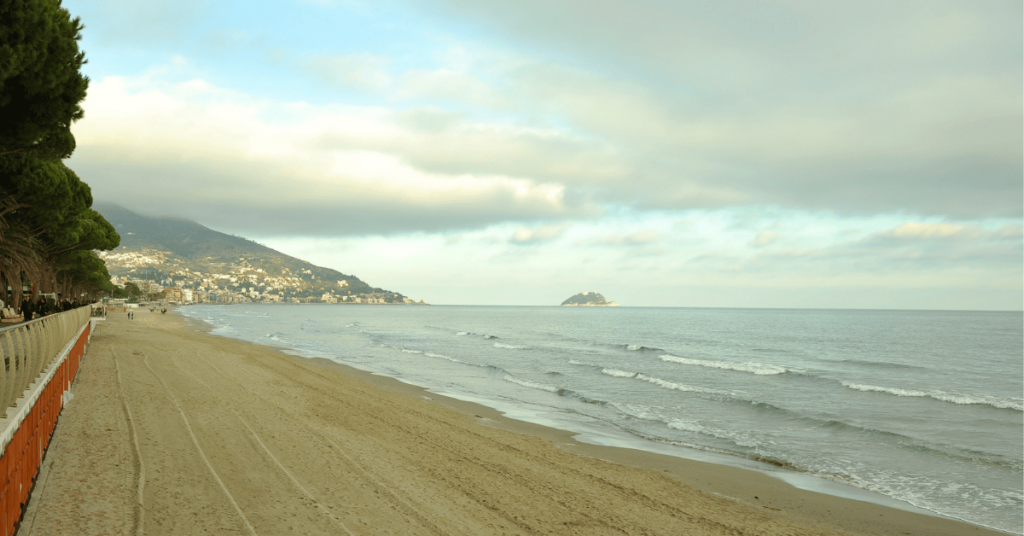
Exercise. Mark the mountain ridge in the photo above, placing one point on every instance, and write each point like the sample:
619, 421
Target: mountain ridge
222, 268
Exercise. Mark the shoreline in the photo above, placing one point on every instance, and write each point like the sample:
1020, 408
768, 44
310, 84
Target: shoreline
180, 353
807, 504
747, 486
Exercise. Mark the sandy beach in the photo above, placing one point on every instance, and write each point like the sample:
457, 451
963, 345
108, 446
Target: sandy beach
175, 431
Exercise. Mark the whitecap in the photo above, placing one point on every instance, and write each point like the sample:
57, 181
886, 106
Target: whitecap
1015, 404
618, 373
530, 384
761, 369
678, 386
685, 426
440, 356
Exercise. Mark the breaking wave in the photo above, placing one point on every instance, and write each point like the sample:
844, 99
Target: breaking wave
761, 369
440, 356
641, 348
532, 385
1015, 404
508, 346
665, 384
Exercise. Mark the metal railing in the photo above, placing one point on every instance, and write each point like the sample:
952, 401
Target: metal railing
26, 350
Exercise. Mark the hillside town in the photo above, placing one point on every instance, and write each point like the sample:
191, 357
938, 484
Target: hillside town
158, 274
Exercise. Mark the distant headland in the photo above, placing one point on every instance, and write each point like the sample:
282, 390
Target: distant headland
185, 262
588, 299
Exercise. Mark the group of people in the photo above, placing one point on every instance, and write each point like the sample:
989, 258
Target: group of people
44, 307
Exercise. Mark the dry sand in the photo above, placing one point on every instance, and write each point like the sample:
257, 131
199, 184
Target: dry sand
174, 431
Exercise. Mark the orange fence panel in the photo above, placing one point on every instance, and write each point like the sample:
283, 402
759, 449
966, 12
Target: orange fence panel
22, 455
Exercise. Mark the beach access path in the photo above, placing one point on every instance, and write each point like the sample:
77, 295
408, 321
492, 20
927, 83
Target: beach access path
175, 431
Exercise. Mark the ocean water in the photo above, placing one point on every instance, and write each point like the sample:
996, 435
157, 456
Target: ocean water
920, 407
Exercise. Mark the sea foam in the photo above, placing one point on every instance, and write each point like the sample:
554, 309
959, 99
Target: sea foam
1015, 404
678, 386
618, 373
760, 369
532, 385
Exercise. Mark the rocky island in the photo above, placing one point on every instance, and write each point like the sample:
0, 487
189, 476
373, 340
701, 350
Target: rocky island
588, 299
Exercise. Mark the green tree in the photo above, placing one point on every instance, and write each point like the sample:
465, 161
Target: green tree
41, 83
133, 291
82, 272
18, 253
47, 226
115, 291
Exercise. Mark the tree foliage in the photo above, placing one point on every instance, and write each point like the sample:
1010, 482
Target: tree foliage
48, 230
41, 83
133, 291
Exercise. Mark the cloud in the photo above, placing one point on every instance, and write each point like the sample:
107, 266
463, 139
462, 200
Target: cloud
931, 230
539, 234
1011, 231
636, 238
652, 147
801, 105
599, 113
215, 155
137, 22
764, 238
908, 251
363, 71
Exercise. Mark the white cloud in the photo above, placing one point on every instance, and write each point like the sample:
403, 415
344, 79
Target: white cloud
363, 71
931, 230
250, 153
542, 233
656, 151
637, 238
765, 238
788, 104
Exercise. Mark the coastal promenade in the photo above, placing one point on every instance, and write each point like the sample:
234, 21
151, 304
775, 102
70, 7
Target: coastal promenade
174, 431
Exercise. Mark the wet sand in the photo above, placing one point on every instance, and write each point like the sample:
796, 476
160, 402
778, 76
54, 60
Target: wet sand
175, 431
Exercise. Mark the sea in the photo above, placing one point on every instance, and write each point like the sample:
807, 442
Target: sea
921, 410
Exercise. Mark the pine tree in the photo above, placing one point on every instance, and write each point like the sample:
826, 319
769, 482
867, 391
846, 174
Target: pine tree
47, 228
41, 83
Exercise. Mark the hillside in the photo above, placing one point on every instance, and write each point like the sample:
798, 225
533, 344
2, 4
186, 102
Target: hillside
216, 267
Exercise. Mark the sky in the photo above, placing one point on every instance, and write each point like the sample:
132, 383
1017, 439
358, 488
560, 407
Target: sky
661, 152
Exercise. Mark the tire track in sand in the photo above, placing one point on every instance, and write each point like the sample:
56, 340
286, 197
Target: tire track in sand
277, 462
199, 449
366, 474
571, 503
140, 508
